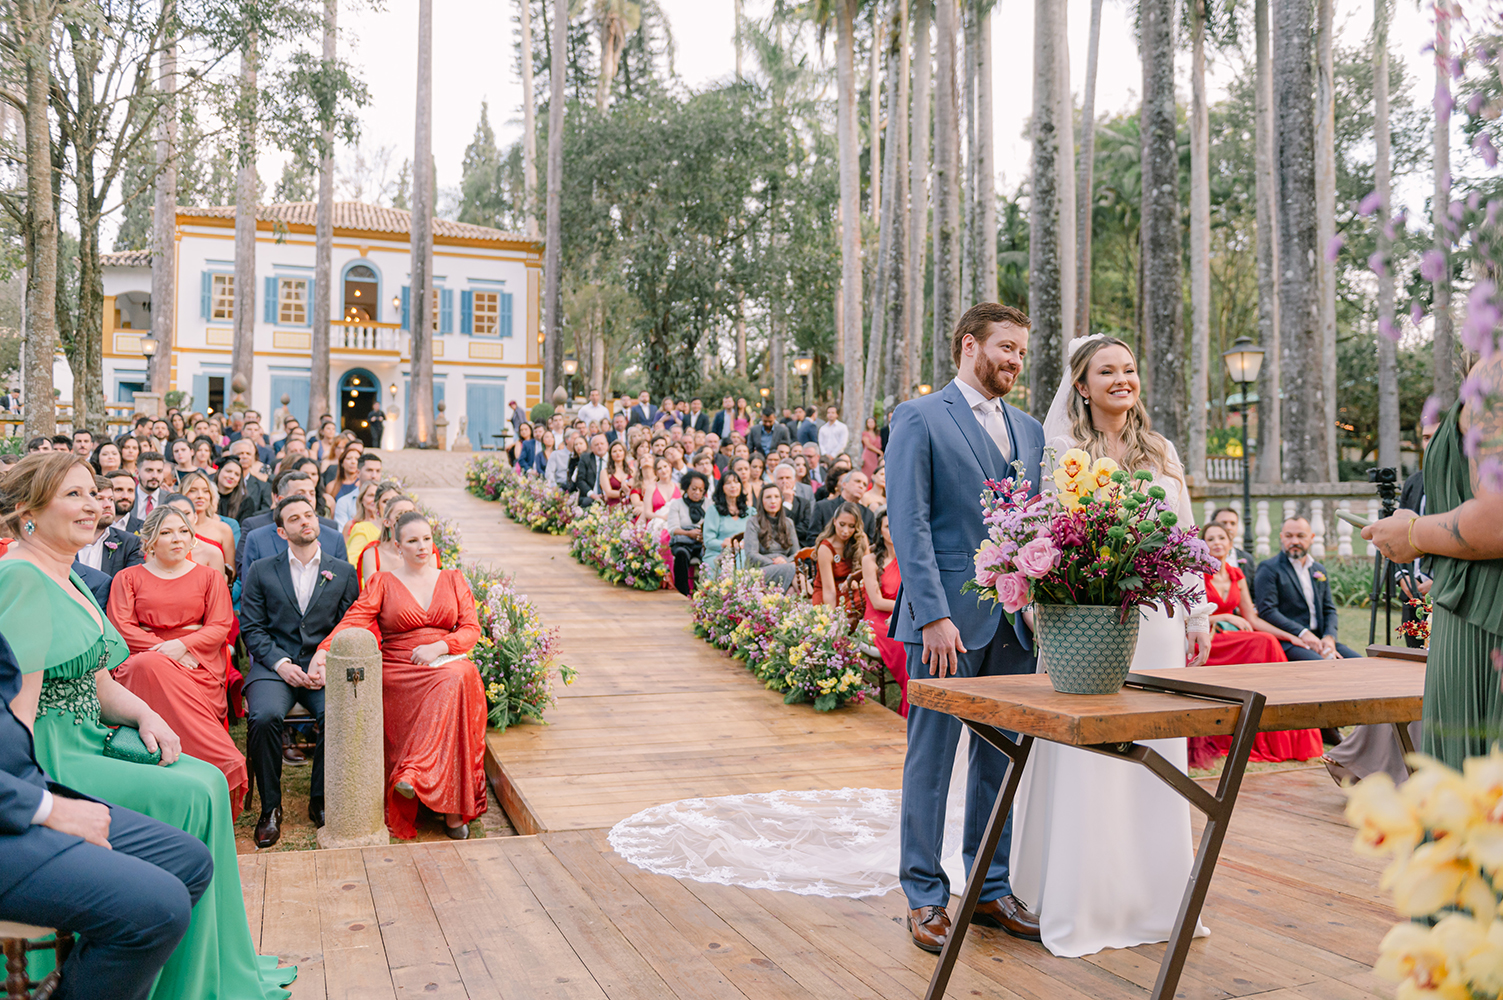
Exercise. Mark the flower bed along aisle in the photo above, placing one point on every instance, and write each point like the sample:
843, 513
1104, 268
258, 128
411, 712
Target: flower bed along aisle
528, 498
515, 653
621, 549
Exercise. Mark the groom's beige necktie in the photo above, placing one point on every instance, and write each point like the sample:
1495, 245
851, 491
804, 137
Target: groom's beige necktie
989, 414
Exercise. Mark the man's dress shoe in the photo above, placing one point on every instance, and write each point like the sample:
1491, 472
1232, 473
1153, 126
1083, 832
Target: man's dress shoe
316, 810
269, 828
1009, 914
930, 926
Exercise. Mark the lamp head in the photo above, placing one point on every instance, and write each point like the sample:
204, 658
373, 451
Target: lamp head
1244, 359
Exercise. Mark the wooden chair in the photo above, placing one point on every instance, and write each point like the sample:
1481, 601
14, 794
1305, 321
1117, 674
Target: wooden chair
804, 570
731, 550
16, 940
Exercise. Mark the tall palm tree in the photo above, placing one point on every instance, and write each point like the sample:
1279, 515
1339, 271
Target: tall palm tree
1162, 348
986, 164
918, 197
1051, 248
422, 431
1200, 242
1325, 217
1388, 362
164, 216
1444, 343
529, 126
247, 194
323, 235
1085, 196
946, 190
1270, 417
616, 20
850, 213
553, 355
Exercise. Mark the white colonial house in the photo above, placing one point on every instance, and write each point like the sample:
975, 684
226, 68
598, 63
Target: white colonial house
485, 318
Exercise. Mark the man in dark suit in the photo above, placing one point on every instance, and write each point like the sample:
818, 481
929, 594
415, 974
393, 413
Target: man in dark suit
289, 604
724, 421
265, 541
584, 480
124, 883
853, 486
1292, 593
617, 431
644, 412
944, 447
695, 418
123, 486
1229, 519
289, 484
112, 549
766, 436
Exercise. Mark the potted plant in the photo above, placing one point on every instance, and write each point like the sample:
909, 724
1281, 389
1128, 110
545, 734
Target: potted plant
1086, 554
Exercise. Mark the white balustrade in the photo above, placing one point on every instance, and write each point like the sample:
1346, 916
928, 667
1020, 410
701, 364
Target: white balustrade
1343, 531
1209, 508
359, 336
1261, 531
1318, 528
1291, 509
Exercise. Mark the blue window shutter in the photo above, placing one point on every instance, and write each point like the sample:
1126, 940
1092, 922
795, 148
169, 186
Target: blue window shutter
503, 319
445, 310
406, 305
269, 310
467, 312
206, 295
308, 307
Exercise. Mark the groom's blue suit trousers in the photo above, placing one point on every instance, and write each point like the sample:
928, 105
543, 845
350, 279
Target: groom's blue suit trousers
932, 739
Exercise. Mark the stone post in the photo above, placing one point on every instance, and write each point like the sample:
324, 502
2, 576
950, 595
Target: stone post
442, 423
462, 443
355, 772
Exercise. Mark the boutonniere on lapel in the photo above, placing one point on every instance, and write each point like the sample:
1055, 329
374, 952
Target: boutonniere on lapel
1318, 576
324, 576
111, 544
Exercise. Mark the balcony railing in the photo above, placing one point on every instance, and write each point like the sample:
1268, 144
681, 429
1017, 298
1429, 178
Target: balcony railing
359, 335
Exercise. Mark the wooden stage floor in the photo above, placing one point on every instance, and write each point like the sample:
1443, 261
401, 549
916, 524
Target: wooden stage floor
658, 715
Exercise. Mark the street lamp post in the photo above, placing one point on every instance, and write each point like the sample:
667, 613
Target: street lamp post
804, 364
1243, 360
571, 365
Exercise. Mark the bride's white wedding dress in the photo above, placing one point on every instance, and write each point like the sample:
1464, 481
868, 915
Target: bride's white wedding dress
1101, 848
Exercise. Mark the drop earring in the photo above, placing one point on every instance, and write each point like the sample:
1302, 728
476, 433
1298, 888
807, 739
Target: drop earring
31, 528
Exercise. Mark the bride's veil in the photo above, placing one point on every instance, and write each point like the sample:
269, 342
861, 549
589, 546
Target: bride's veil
1057, 420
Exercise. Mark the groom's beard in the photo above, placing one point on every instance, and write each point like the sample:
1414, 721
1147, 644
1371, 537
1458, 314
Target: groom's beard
994, 378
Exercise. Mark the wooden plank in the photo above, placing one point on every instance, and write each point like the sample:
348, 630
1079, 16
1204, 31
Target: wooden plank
253, 888
354, 956
290, 923
416, 952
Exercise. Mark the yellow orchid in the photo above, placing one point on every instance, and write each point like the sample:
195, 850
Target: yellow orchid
1436, 877
1422, 960
1440, 798
1073, 463
1483, 968
1385, 823
1101, 474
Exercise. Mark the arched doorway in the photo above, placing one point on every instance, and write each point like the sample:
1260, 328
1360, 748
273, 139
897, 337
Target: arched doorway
359, 394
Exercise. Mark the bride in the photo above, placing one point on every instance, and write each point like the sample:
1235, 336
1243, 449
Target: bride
1101, 846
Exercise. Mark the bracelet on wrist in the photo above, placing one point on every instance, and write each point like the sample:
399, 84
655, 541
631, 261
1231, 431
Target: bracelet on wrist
1411, 537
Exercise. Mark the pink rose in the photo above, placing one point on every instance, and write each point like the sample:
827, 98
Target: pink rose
1037, 558
1012, 590
987, 558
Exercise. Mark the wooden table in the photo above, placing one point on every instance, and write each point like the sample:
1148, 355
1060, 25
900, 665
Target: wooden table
1010, 712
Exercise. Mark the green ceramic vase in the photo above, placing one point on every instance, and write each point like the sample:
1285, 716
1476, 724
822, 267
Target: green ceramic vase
1084, 647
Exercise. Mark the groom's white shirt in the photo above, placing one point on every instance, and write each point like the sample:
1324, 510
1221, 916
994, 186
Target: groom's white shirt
988, 413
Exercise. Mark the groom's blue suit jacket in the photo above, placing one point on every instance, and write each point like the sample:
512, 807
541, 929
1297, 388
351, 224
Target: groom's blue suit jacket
938, 459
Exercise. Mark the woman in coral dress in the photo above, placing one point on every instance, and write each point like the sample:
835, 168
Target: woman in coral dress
881, 577
175, 617
424, 619
871, 447
1249, 639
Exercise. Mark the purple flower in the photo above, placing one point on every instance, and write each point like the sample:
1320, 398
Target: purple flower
1333, 248
111, 545
1370, 204
326, 575
1416, 314
1431, 413
1377, 263
1482, 319
1387, 328
1432, 265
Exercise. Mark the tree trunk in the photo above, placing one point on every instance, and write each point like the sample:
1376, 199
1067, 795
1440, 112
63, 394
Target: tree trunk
1051, 246
875, 182
1200, 244
736, 34
895, 383
323, 237
889, 239
854, 406
986, 162
1388, 363
422, 429
1163, 307
918, 199
1325, 221
1270, 418
247, 193
1304, 423
553, 355
970, 228
529, 126
741, 334
40, 339
946, 192
1085, 176
164, 220
1444, 342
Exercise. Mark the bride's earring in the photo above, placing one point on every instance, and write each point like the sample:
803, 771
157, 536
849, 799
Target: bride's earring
31, 528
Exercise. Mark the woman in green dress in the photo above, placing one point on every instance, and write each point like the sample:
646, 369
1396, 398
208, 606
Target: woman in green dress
1462, 532
66, 648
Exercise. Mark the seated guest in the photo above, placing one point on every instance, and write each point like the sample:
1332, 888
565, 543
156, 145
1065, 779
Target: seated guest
385, 547
881, 578
556, 471
299, 482
219, 532
849, 488
685, 517
175, 616
834, 469
547, 445
112, 549
253, 478
876, 494
203, 455
725, 518
1241, 636
1292, 594
589, 469
1229, 519
368, 467
346, 473
839, 549
149, 489
124, 486
771, 541
615, 487
433, 702
365, 528
229, 480
263, 541
106, 458
204, 555
182, 458
799, 508
289, 604
123, 883
653, 489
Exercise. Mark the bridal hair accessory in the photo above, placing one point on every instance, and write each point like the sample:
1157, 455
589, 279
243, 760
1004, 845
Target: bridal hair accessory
1057, 420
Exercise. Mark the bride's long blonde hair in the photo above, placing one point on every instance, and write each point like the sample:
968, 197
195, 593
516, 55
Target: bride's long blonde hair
1144, 448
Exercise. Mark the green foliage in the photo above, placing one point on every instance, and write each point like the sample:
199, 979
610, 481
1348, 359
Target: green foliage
484, 198
540, 413
299, 181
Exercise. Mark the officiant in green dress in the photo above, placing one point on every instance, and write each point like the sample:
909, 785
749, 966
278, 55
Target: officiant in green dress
1463, 534
66, 647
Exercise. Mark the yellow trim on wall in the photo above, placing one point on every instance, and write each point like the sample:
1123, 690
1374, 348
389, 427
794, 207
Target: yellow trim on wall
219, 337
295, 340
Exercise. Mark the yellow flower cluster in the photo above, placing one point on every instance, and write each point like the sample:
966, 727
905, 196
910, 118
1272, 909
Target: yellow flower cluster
1444, 831
1078, 477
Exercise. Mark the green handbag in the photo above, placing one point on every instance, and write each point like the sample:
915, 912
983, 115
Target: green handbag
125, 743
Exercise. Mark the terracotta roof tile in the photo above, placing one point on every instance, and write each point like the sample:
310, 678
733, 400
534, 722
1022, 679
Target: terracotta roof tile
355, 215
126, 258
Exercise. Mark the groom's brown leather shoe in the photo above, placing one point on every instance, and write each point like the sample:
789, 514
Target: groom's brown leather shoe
269, 828
1008, 914
930, 926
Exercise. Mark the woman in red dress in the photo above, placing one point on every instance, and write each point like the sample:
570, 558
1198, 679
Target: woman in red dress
424, 619
881, 577
1241, 636
838, 550
871, 447
175, 616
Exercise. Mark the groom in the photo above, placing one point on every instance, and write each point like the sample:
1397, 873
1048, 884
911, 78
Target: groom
942, 449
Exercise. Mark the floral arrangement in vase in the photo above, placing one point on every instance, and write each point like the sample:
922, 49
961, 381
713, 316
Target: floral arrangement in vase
1099, 538
1443, 831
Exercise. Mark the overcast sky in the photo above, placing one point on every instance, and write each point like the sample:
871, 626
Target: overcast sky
473, 63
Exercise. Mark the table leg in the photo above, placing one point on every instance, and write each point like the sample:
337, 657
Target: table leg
1018, 752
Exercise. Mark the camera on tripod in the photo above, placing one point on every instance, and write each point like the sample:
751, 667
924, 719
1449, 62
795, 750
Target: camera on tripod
1386, 479
1385, 574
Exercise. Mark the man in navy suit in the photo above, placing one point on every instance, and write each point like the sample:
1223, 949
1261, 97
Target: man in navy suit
124, 883
644, 412
295, 483
943, 448
262, 540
